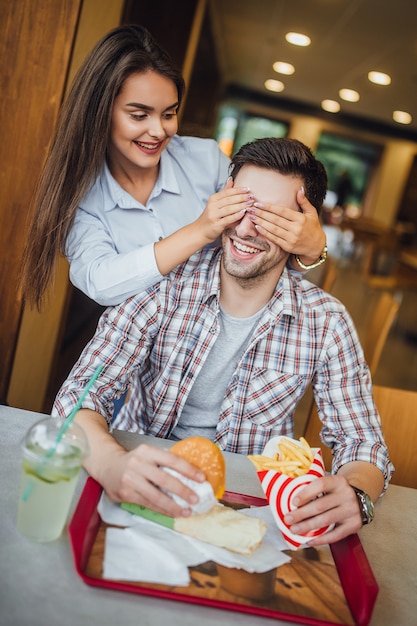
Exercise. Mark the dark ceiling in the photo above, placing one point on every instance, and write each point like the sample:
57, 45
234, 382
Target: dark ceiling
349, 38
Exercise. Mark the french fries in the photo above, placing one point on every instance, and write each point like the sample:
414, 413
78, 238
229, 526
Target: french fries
292, 459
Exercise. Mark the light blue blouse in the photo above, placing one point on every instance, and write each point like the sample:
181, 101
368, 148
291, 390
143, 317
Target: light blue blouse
111, 245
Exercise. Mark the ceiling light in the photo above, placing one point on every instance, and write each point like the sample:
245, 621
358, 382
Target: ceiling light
283, 68
350, 95
298, 39
379, 78
274, 85
331, 106
402, 117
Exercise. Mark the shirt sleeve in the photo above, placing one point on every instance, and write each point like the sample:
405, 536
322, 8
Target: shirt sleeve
122, 341
343, 394
97, 269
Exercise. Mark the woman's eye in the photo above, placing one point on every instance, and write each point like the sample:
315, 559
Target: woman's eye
138, 117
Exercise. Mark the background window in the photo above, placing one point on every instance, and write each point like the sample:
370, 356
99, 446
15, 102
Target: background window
236, 127
349, 164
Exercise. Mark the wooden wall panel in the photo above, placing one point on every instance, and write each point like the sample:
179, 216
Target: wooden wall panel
169, 24
35, 46
37, 351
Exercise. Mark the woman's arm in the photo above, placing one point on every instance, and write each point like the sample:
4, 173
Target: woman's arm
223, 209
110, 277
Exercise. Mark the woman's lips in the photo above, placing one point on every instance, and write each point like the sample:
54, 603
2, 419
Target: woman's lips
149, 148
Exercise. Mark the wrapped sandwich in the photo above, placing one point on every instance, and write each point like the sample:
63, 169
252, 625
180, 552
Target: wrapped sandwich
211, 521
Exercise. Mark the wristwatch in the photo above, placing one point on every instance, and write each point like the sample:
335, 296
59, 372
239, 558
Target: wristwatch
320, 260
366, 506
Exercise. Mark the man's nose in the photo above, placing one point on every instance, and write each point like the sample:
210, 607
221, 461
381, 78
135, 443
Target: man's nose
246, 228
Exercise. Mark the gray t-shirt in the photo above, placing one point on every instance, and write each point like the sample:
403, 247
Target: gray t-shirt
202, 409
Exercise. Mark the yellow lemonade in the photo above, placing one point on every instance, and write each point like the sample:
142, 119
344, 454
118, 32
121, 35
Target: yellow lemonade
46, 491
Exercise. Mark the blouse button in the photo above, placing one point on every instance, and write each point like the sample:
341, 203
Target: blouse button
160, 238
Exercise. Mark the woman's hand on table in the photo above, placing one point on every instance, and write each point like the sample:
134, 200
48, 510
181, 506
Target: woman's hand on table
138, 476
325, 501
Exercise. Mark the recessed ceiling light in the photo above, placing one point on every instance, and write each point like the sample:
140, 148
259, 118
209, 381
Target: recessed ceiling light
331, 106
402, 117
379, 78
350, 95
283, 68
274, 85
298, 39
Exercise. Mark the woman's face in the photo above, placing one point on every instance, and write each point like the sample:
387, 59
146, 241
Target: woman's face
144, 119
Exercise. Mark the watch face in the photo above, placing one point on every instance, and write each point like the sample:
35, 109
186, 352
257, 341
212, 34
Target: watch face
369, 506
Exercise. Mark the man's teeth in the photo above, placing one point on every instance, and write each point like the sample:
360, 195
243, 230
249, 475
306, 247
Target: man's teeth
243, 248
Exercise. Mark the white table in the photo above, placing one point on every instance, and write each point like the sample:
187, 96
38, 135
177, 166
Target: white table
39, 585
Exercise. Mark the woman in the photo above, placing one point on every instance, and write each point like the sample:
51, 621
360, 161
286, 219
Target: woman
123, 196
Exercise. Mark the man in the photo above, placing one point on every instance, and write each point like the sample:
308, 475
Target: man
225, 347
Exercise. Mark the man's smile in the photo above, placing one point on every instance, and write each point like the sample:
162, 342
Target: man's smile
245, 248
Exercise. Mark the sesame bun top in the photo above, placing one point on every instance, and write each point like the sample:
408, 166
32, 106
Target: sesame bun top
207, 456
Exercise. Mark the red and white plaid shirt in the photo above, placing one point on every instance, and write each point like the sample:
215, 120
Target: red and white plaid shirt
161, 338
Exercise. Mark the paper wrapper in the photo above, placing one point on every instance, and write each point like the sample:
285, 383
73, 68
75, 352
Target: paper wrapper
281, 489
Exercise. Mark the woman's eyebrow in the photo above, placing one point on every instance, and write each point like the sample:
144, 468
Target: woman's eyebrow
146, 107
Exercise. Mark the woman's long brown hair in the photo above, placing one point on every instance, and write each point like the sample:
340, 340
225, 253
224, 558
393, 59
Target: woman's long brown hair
79, 146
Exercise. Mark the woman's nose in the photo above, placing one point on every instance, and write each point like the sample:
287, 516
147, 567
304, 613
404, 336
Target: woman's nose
246, 228
156, 128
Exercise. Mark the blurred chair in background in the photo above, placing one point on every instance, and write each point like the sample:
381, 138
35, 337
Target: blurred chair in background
381, 323
398, 411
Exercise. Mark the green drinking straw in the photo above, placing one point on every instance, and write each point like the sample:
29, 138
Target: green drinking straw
62, 431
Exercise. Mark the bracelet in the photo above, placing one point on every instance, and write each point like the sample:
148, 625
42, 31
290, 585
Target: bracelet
320, 260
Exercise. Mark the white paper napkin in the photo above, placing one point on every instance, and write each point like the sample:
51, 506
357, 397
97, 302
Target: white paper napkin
138, 552
130, 555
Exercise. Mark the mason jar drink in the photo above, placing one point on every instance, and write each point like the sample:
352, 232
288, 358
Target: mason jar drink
50, 473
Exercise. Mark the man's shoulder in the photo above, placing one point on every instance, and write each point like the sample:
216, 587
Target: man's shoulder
315, 298
201, 262
194, 276
196, 273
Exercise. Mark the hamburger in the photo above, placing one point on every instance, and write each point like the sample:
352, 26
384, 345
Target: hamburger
219, 525
207, 456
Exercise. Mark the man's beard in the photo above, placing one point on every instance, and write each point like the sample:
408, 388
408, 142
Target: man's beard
248, 273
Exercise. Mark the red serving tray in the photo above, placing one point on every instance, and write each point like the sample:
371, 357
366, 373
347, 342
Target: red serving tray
356, 577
